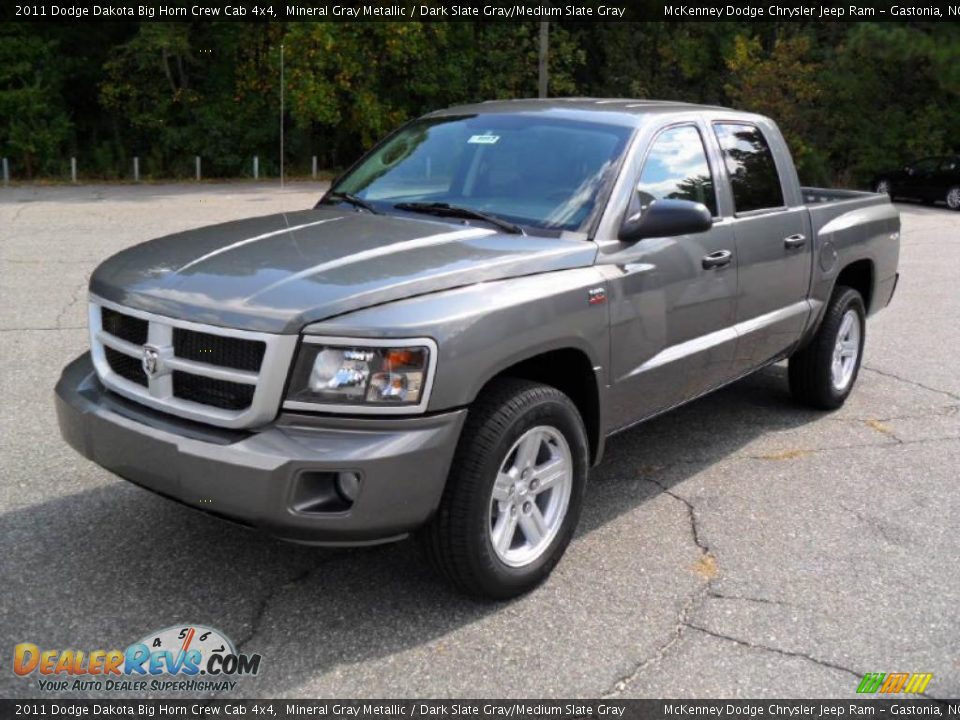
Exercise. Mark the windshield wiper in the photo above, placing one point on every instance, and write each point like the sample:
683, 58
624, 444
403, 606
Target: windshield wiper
448, 210
352, 200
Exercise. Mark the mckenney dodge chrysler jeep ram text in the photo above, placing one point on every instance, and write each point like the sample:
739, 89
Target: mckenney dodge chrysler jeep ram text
444, 343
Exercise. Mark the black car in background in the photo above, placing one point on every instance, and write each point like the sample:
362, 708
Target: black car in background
930, 179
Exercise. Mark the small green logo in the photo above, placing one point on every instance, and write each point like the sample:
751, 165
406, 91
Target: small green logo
910, 683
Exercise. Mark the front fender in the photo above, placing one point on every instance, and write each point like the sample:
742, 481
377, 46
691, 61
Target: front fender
483, 329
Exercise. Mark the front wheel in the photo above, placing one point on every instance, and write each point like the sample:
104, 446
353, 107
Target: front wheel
514, 493
823, 373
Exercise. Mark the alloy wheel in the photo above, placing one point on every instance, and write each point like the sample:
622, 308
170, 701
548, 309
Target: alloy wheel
530, 496
846, 351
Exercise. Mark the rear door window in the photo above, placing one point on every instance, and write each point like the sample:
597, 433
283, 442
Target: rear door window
750, 166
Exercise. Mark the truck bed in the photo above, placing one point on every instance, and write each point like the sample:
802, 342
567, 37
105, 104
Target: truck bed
813, 195
851, 208
851, 224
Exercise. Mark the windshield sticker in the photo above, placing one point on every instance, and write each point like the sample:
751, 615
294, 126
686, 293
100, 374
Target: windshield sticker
483, 139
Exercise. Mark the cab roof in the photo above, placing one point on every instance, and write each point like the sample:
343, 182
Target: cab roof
622, 111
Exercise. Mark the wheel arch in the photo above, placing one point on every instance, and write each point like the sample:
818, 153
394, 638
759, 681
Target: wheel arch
861, 276
569, 370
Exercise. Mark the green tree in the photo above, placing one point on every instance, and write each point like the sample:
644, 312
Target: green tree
851, 98
782, 84
354, 82
34, 125
894, 96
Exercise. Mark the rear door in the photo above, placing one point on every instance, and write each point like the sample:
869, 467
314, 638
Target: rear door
773, 246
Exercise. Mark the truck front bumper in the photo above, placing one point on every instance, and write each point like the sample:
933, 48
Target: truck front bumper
281, 479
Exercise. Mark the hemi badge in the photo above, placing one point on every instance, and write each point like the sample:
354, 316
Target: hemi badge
596, 296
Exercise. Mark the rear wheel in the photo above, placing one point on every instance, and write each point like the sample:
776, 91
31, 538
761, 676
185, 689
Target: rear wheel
514, 492
823, 373
953, 198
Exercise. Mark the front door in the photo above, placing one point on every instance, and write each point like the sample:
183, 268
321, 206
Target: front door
672, 298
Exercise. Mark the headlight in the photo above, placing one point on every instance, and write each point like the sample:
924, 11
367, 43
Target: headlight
372, 375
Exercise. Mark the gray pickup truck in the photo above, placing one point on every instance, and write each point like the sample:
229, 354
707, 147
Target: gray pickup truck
443, 345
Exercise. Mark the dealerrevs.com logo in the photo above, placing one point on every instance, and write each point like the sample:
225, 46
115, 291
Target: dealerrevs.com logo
188, 658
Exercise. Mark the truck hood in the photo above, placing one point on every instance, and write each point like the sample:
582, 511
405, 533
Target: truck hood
278, 273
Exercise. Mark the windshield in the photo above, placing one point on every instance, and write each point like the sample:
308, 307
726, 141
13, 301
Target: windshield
532, 170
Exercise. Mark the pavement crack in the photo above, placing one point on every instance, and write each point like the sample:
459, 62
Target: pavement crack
908, 381
941, 411
894, 442
778, 651
705, 568
691, 513
883, 429
885, 530
43, 329
19, 261
676, 634
791, 654
742, 598
16, 213
261, 610
74, 299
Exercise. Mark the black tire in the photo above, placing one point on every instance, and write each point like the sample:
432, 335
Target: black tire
457, 539
952, 196
811, 380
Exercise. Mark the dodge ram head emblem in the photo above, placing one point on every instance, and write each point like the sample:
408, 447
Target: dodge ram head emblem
151, 361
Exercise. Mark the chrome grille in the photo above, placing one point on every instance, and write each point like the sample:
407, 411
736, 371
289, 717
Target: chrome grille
197, 371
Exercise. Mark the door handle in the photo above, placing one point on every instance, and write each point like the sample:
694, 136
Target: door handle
794, 241
717, 259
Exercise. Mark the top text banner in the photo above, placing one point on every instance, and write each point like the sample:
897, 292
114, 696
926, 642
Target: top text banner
496, 11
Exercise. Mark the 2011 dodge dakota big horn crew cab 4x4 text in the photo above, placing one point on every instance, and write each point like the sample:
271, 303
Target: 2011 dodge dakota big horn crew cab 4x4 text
444, 343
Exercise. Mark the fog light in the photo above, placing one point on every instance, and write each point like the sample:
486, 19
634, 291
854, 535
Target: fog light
348, 485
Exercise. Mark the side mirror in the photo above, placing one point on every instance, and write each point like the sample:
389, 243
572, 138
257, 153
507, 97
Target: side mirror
664, 218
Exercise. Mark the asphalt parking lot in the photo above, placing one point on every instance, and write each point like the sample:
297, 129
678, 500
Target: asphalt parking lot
738, 547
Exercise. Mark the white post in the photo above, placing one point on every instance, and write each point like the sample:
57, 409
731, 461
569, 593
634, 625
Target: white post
281, 114
313, 170
73, 169
198, 167
136, 169
256, 167
6, 172
543, 66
